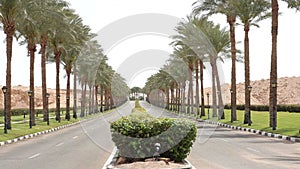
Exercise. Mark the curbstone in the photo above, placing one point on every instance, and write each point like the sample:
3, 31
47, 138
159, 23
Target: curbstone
2, 144
28, 136
263, 133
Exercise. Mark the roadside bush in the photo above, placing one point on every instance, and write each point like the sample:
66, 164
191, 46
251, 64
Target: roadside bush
135, 136
19, 112
280, 108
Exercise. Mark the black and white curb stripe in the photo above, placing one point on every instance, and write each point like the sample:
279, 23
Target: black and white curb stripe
259, 132
36, 134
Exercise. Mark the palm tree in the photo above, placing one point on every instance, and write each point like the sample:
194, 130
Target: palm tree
184, 52
134, 91
10, 13
72, 52
293, 4
224, 7
87, 64
44, 14
207, 40
100, 79
250, 12
273, 74
63, 35
28, 29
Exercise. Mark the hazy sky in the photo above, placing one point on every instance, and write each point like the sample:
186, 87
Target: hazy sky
100, 13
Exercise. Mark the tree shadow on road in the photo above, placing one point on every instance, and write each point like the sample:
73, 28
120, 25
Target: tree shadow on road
292, 159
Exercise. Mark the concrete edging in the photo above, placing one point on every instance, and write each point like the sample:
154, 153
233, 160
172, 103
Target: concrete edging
112, 159
259, 132
28, 136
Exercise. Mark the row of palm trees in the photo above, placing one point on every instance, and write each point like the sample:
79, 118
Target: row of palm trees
63, 39
190, 47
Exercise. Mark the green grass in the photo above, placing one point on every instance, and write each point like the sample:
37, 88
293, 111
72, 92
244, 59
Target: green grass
138, 107
22, 128
287, 123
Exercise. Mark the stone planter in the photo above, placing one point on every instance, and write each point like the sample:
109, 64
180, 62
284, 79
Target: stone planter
111, 164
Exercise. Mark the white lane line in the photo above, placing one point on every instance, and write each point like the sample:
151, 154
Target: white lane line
60, 144
75, 137
251, 149
34, 156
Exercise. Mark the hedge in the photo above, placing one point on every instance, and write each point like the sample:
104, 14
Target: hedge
282, 108
19, 112
135, 136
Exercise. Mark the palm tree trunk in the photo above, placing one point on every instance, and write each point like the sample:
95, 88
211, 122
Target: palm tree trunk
105, 99
68, 71
112, 105
189, 100
32, 48
9, 31
247, 116
214, 95
82, 100
183, 98
93, 99
197, 87
43, 44
202, 89
219, 93
190, 90
96, 98
75, 93
273, 74
231, 20
168, 99
57, 62
101, 98
177, 98
172, 98
90, 99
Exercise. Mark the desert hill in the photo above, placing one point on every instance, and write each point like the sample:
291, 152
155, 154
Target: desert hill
288, 93
20, 97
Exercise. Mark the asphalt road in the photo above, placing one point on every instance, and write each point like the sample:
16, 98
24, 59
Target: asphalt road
223, 148
88, 145
84, 146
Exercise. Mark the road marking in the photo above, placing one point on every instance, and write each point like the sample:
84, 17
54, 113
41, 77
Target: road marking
34, 156
75, 137
60, 144
251, 149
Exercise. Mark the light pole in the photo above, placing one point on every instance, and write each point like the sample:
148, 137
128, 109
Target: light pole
48, 116
249, 111
274, 113
30, 108
208, 104
4, 90
231, 94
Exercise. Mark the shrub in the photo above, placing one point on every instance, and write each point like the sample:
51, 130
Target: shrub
19, 112
135, 136
280, 108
